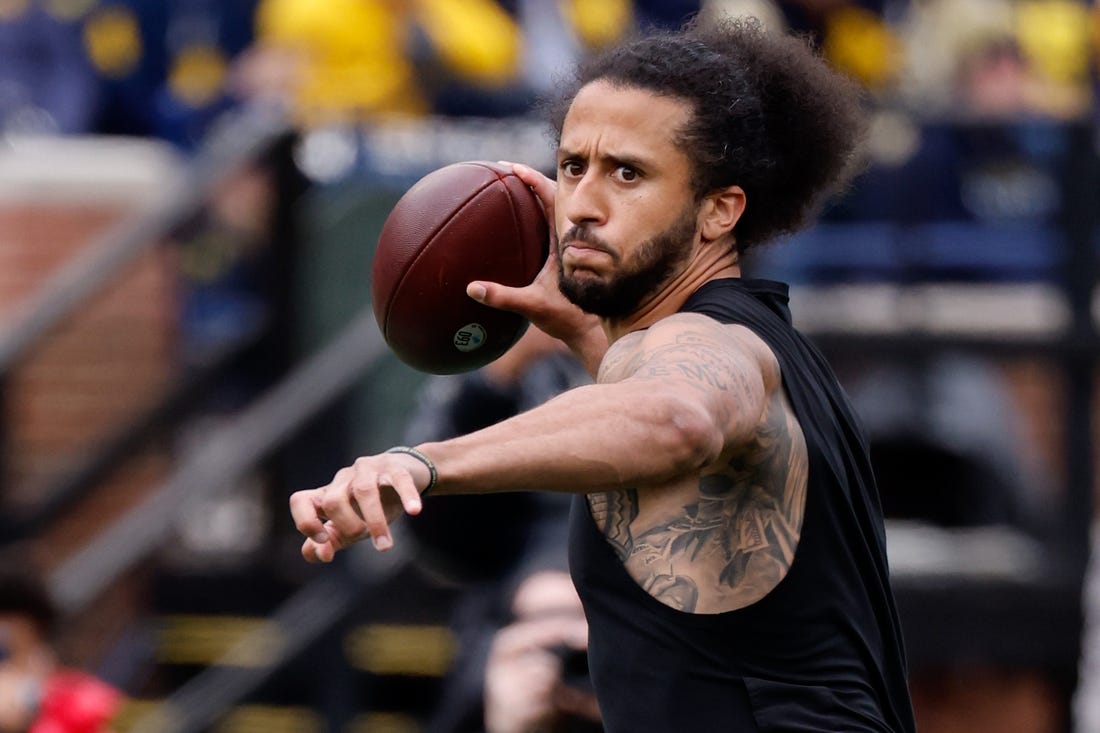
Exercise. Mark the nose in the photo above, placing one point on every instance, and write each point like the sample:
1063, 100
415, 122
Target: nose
585, 201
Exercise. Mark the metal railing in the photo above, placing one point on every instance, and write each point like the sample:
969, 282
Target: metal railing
239, 138
225, 455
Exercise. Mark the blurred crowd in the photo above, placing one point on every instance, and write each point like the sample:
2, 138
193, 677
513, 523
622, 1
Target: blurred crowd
168, 68
942, 76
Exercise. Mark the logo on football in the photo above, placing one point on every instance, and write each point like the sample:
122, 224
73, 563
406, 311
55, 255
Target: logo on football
470, 337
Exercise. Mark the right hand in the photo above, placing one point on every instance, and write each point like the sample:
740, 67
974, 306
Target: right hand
542, 302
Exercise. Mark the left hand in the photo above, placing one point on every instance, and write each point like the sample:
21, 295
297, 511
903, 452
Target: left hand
360, 502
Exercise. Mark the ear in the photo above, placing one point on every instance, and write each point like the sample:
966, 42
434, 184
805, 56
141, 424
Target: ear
720, 211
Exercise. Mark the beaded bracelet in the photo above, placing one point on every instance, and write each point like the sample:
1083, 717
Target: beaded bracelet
433, 474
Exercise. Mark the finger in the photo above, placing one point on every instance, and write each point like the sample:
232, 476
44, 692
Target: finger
341, 509
305, 509
544, 188
406, 490
365, 493
499, 296
315, 552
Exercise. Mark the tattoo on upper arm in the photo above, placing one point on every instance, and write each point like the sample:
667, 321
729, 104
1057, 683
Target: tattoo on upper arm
702, 363
735, 540
613, 511
694, 355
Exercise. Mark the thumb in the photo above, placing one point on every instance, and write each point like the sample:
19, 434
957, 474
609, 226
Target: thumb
496, 295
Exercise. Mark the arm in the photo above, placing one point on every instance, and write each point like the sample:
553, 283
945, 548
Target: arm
671, 400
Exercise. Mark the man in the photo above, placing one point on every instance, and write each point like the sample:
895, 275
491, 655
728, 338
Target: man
726, 536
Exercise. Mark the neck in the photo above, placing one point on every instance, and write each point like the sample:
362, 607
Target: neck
672, 295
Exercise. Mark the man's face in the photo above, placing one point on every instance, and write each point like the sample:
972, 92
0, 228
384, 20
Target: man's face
626, 216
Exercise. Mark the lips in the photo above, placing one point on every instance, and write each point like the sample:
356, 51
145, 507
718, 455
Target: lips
586, 247
581, 256
579, 241
580, 244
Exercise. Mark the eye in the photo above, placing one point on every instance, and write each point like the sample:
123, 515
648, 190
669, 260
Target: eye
571, 168
627, 174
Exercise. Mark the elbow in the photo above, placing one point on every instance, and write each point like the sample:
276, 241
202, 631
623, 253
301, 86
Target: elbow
690, 434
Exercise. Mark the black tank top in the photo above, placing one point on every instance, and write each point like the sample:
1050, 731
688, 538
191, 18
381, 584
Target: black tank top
822, 651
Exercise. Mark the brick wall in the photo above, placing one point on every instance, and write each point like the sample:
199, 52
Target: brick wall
110, 358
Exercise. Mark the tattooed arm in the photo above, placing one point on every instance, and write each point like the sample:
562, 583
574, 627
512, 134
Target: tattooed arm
670, 401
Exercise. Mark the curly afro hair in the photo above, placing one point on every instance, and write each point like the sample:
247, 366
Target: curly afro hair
769, 115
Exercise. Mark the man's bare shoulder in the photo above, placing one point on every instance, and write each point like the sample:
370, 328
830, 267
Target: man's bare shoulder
694, 347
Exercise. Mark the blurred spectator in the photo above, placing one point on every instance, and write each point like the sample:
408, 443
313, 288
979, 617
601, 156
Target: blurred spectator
350, 60
556, 33
37, 694
990, 56
46, 82
346, 61
994, 81
164, 65
855, 36
536, 677
225, 262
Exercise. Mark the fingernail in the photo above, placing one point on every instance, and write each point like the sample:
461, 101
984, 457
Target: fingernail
505, 162
320, 538
476, 291
382, 543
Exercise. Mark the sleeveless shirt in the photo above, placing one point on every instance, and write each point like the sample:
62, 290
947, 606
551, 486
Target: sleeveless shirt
823, 650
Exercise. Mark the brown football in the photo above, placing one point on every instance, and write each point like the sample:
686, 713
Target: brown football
464, 222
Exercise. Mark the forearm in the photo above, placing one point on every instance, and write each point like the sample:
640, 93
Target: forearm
592, 438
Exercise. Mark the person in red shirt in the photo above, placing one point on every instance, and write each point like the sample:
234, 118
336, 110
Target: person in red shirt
37, 693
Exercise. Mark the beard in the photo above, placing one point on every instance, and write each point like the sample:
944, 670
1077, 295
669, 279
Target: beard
656, 261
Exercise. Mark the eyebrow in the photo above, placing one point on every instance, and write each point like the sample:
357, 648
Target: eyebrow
629, 161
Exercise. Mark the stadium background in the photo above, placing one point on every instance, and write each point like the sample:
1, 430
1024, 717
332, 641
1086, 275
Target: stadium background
189, 194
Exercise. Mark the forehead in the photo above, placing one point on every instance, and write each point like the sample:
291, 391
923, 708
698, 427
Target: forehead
623, 121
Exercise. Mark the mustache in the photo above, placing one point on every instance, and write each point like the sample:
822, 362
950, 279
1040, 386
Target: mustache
583, 236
